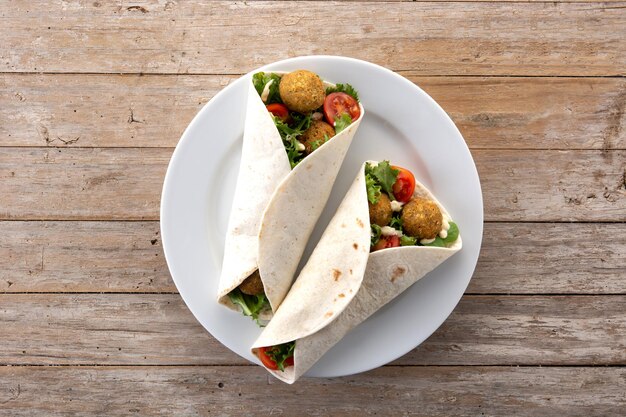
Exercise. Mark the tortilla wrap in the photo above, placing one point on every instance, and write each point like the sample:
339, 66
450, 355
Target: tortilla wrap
303, 317
275, 208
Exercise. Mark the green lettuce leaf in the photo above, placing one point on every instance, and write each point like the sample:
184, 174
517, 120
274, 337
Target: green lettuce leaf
373, 189
280, 353
343, 88
376, 232
407, 241
342, 122
453, 235
251, 305
290, 135
384, 175
260, 80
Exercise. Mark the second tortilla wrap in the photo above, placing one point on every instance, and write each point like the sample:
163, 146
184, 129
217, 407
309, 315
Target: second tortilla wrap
303, 316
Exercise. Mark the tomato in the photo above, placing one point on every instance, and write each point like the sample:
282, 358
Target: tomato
267, 361
289, 361
339, 103
404, 186
387, 242
279, 110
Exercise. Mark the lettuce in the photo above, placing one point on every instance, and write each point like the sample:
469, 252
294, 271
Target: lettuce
342, 122
280, 353
453, 235
343, 88
251, 305
382, 176
260, 80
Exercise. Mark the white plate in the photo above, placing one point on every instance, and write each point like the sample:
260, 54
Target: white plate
402, 124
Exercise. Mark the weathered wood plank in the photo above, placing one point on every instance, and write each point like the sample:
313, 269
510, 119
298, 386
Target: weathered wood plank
225, 37
517, 258
551, 258
138, 111
113, 184
157, 329
82, 256
81, 183
242, 391
553, 185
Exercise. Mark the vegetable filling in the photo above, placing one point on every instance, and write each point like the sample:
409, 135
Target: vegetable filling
305, 114
398, 218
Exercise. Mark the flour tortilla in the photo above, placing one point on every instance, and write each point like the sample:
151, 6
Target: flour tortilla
387, 273
266, 181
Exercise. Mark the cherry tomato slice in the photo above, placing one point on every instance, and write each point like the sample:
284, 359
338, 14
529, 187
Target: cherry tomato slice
404, 186
387, 242
267, 361
339, 103
279, 110
289, 361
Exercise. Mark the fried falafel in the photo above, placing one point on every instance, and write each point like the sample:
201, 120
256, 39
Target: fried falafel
302, 91
252, 285
421, 218
380, 213
316, 135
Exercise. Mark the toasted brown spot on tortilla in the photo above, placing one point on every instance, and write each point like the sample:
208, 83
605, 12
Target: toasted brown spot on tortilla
397, 273
342, 295
330, 313
355, 246
350, 272
343, 225
336, 274
309, 166
360, 223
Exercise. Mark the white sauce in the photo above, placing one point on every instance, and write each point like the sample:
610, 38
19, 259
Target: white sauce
389, 231
317, 116
300, 146
427, 241
396, 205
445, 227
266, 91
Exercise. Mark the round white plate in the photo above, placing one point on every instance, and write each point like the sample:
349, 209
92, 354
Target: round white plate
402, 124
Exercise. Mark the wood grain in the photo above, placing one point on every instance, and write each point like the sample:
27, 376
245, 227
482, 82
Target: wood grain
432, 38
240, 391
158, 329
544, 258
82, 256
516, 258
153, 110
59, 183
114, 184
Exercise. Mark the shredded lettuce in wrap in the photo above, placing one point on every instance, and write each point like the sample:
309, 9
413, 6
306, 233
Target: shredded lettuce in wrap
260, 80
251, 305
343, 88
280, 353
380, 177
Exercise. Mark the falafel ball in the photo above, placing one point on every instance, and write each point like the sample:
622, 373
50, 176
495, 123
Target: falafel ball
380, 213
421, 218
302, 91
313, 137
252, 285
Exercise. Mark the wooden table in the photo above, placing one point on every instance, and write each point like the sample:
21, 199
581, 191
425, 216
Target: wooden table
94, 96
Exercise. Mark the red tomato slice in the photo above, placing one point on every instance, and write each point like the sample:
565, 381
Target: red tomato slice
289, 361
267, 361
404, 186
279, 110
387, 242
339, 103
